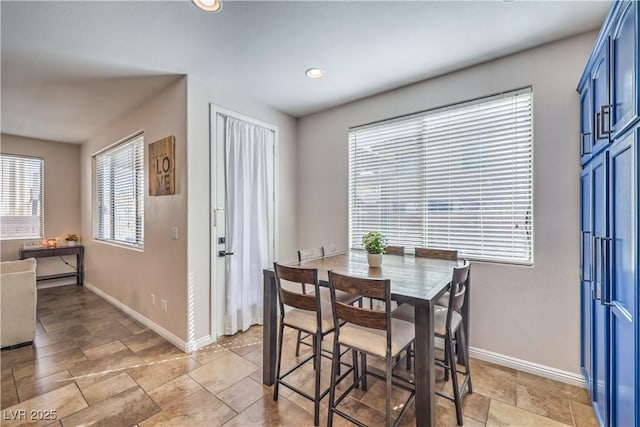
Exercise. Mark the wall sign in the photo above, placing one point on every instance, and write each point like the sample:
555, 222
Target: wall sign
162, 168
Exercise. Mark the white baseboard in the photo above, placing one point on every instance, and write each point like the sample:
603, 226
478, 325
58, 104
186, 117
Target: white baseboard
523, 365
199, 343
169, 336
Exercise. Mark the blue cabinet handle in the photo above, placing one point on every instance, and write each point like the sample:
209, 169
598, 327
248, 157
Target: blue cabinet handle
605, 282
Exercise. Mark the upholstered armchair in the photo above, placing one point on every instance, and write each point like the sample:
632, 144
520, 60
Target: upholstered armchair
18, 302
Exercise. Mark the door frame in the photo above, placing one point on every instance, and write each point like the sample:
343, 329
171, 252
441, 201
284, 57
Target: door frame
217, 290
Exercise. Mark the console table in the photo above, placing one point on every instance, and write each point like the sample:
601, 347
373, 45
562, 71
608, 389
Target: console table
78, 251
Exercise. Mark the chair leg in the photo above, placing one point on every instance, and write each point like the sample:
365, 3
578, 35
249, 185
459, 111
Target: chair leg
277, 384
317, 338
364, 372
315, 350
454, 378
339, 360
446, 360
388, 379
298, 343
463, 343
409, 350
332, 389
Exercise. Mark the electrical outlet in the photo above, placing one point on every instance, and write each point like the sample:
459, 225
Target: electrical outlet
153, 299
163, 302
174, 233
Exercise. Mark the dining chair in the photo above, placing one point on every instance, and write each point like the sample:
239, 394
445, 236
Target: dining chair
449, 254
448, 325
394, 250
369, 332
306, 255
306, 313
313, 253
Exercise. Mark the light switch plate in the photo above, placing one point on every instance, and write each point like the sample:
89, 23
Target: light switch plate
174, 233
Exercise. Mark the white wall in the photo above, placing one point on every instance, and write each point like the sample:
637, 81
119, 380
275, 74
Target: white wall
128, 275
61, 199
200, 96
530, 313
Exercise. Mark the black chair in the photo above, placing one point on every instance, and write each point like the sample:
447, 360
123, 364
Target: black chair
448, 325
394, 250
308, 315
306, 255
370, 332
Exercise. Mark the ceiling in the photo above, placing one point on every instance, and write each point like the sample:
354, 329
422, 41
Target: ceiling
69, 68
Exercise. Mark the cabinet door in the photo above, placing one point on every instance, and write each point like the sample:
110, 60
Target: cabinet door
586, 114
600, 88
620, 289
585, 275
624, 51
599, 318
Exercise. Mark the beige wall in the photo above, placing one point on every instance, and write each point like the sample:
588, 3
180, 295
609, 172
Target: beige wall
201, 95
61, 197
128, 275
529, 313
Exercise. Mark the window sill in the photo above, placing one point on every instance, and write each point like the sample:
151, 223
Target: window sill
120, 245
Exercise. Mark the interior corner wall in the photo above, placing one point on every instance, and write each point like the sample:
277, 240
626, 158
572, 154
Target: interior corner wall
200, 96
528, 313
61, 198
128, 275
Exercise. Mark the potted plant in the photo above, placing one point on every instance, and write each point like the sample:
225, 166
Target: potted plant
72, 239
374, 243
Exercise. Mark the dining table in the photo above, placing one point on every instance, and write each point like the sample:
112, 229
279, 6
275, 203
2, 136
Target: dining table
416, 281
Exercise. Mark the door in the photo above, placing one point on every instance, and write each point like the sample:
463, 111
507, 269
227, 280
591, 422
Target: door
624, 57
586, 114
600, 88
585, 274
243, 218
599, 355
620, 288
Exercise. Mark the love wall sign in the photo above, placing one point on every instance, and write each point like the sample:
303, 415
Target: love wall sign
162, 167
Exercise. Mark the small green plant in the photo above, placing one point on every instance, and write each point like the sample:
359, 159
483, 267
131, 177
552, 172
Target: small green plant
71, 238
374, 242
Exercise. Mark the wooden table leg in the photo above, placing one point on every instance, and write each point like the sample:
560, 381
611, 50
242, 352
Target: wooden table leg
425, 367
269, 328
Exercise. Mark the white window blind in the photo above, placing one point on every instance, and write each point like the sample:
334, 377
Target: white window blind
21, 200
458, 178
119, 179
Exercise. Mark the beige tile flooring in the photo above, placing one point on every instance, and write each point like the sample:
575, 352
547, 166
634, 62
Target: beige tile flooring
94, 365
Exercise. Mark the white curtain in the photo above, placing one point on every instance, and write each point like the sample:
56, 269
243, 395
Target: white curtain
249, 161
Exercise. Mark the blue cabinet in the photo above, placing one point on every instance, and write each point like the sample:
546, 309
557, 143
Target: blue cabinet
609, 225
623, 108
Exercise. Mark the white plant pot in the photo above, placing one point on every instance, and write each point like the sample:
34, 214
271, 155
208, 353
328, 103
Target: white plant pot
375, 260
72, 242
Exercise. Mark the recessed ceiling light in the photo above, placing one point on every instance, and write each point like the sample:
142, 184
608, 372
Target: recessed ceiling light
314, 73
209, 5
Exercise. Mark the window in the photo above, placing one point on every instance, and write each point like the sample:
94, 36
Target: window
458, 177
21, 200
119, 204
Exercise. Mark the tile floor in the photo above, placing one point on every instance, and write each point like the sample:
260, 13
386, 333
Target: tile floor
94, 365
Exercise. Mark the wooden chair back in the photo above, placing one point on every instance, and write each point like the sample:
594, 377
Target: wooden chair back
299, 300
313, 253
370, 288
394, 250
458, 290
437, 253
